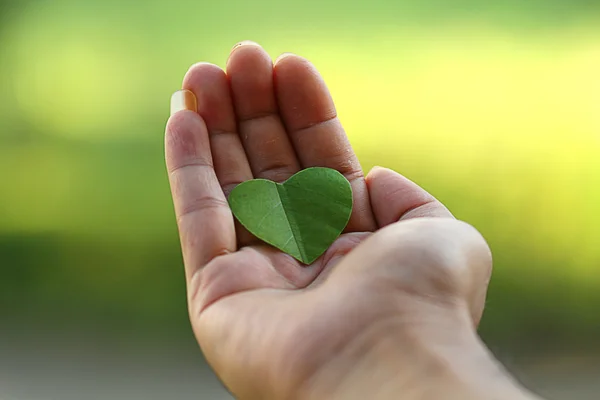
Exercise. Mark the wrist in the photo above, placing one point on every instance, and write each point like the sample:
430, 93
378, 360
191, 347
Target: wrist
468, 370
436, 355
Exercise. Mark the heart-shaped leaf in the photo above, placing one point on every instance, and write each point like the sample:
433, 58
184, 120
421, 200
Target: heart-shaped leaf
302, 216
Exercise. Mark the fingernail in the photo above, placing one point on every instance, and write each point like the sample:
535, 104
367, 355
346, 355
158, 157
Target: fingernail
183, 100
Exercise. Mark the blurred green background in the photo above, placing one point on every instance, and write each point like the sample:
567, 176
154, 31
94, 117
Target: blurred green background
494, 107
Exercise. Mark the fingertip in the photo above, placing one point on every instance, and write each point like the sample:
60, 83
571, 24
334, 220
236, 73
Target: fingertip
377, 169
303, 98
242, 44
184, 119
394, 197
201, 72
288, 56
245, 57
377, 173
246, 45
380, 168
185, 137
211, 86
202, 65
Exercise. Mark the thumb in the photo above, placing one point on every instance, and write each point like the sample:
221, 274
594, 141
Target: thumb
438, 260
394, 197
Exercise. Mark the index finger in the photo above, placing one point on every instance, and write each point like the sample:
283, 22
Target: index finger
205, 222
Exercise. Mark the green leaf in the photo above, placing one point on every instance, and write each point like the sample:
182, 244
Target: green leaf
301, 217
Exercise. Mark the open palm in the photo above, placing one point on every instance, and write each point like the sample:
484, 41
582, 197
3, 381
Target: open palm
261, 318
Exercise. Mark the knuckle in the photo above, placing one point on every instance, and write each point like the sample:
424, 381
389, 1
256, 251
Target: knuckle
200, 204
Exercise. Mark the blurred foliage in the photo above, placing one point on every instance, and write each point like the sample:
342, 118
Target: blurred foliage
494, 107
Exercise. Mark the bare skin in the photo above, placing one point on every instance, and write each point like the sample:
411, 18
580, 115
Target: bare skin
388, 312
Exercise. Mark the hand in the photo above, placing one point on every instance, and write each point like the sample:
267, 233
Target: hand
391, 300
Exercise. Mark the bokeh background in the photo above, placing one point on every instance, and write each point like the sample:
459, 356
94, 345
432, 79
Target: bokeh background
493, 106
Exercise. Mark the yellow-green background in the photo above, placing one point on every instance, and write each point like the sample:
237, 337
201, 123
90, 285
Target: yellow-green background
492, 106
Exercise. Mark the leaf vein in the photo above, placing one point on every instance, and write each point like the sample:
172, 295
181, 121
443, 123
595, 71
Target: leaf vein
264, 218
